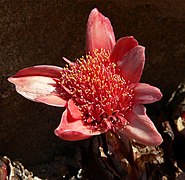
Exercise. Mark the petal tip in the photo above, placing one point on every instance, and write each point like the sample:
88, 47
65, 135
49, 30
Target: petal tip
154, 140
10, 79
56, 131
159, 140
95, 10
95, 14
160, 95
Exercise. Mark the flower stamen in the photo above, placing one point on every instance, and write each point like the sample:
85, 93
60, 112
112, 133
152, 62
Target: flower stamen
102, 95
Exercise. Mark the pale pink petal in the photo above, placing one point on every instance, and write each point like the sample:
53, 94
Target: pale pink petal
132, 64
99, 33
73, 130
74, 110
68, 61
145, 94
53, 100
40, 70
123, 45
37, 88
141, 128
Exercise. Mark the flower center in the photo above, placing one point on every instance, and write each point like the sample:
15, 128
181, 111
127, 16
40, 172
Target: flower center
97, 88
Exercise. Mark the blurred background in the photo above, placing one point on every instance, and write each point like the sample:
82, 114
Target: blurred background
42, 32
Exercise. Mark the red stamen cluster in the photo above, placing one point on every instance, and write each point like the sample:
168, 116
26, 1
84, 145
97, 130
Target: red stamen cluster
96, 87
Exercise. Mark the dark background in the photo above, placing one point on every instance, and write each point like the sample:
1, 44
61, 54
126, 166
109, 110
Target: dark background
42, 32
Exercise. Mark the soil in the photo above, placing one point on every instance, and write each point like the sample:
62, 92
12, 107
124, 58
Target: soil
42, 32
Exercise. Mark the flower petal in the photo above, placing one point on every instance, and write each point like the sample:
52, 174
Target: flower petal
141, 128
132, 64
39, 89
68, 61
41, 70
53, 100
145, 94
72, 130
99, 33
123, 45
74, 110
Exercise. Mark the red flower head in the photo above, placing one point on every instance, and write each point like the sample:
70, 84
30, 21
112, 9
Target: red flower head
100, 91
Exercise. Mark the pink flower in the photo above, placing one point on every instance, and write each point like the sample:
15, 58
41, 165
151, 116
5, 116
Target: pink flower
101, 91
